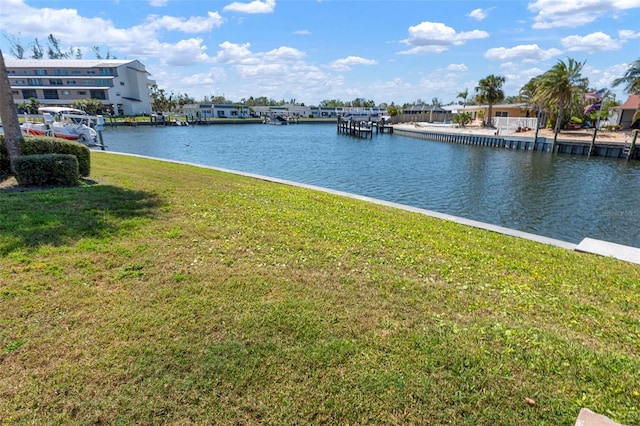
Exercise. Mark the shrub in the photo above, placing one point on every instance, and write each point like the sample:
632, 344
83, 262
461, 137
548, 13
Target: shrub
33, 145
613, 127
47, 169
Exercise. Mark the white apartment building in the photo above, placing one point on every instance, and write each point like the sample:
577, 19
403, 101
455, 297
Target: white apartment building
123, 86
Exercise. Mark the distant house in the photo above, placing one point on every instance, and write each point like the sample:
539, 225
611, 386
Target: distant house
500, 110
627, 111
123, 86
207, 111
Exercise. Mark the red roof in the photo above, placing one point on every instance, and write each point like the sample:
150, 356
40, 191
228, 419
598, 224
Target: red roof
632, 103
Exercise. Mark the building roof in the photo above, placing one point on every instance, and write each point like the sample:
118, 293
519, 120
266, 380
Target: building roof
632, 103
66, 63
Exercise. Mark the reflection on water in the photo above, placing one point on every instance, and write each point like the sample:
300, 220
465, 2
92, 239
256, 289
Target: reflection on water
558, 196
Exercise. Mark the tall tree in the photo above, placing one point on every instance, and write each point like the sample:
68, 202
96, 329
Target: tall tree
631, 79
463, 95
10, 123
559, 86
17, 49
489, 91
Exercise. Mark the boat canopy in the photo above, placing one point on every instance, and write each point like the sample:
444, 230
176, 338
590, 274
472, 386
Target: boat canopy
60, 110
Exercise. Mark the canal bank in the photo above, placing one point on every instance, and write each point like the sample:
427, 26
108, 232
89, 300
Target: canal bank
607, 144
559, 196
587, 245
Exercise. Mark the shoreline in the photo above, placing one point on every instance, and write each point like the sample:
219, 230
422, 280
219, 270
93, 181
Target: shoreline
579, 135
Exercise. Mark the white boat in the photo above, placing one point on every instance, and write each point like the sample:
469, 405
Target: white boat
63, 122
279, 119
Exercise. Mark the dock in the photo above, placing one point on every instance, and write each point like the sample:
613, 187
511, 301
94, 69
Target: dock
363, 129
360, 129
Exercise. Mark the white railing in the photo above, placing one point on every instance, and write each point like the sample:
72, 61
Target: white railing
507, 125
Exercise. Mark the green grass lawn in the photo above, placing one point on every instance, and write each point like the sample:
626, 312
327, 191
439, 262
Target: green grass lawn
173, 294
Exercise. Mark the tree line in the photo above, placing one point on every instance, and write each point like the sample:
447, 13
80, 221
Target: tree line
52, 49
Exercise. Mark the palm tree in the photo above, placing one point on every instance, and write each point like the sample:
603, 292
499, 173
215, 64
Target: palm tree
463, 96
10, 123
527, 95
489, 90
631, 79
558, 86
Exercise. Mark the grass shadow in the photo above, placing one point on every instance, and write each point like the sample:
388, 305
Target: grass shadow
59, 216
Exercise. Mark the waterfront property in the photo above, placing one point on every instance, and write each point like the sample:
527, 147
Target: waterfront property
203, 112
627, 112
123, 86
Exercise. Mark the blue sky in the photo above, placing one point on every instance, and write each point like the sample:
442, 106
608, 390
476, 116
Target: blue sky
312, 50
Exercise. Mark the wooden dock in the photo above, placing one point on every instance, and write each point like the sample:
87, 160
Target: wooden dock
382, 127
360, 129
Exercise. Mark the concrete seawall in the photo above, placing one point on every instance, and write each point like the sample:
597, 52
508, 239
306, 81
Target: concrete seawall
573, 147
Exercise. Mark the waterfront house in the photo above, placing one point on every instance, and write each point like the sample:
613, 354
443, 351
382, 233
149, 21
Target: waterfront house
123, 86
626, 112
478, 112
203, 112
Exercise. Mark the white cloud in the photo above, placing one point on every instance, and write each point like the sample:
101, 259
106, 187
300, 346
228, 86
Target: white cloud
436, 37
595, 42
479, 14
457, 67
302, 32
256, 6
628, 34
232, 53
524, 53
286, 54
185, 52
345, 64
158, 3
554, 13
196, 24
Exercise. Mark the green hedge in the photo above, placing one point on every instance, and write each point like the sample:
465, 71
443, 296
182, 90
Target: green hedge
33, 145
49, 145
46, 169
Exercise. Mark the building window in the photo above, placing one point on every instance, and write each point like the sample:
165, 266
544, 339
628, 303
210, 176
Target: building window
55, 82
81, 92
91, 72
29, 93
502, 114
66, 93
98, 94
61, 72
71, 82
20, 82
106, 71
75, 72
40, 72
34, 82
122, 83
50, 94
11, 72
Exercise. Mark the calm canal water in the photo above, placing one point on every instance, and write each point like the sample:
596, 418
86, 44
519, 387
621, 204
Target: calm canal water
558, 196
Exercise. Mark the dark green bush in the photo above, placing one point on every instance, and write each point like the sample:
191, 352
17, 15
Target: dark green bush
47, 145
47, 169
